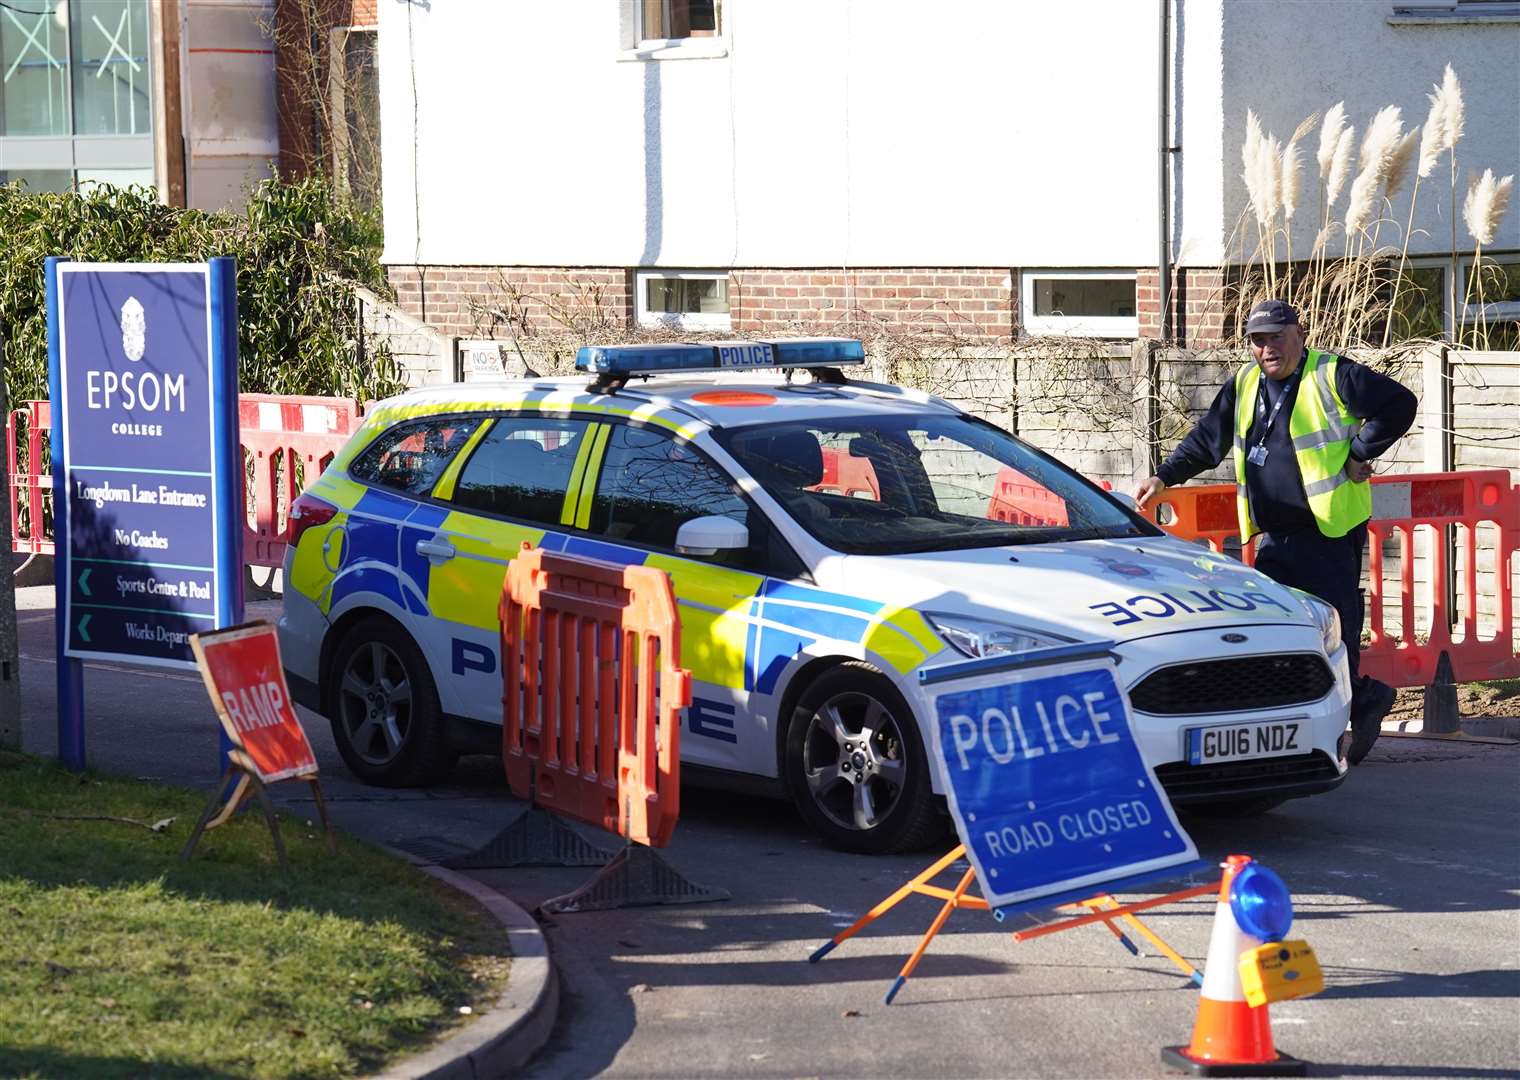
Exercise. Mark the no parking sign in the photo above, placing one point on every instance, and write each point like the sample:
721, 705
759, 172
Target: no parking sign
1048, 789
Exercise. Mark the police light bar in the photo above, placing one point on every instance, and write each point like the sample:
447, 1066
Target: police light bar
719, 356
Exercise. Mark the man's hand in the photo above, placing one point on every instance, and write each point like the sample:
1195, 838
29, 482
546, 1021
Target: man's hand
1149, 488
1358, 471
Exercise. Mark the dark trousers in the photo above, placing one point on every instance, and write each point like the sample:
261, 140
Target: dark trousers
1328, 567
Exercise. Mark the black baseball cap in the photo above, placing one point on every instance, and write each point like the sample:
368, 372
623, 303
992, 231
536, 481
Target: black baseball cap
1270, 316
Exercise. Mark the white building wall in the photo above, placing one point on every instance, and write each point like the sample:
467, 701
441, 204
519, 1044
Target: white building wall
834, 132
1198, 167
1286, 59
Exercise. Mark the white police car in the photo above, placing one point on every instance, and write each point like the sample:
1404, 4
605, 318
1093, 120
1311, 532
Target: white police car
826, 539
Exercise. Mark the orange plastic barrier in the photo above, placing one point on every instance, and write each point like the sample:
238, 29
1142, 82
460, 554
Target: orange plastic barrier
1484, 499
591, 720
846, 474
1020, 501
28, 477
283, 436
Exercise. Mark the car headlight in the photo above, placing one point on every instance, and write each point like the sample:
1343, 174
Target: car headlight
979, 637
1326, 619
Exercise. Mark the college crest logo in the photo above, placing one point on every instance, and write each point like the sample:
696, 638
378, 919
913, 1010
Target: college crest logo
134, 329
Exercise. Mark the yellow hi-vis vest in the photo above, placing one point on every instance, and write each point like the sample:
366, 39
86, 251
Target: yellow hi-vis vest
1322, 429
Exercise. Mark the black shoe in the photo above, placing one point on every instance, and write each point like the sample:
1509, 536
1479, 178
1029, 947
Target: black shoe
1367, 711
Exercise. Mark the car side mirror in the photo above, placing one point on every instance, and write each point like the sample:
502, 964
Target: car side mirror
1124, 499
710, 535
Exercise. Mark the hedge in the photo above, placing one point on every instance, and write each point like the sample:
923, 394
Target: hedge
295, 245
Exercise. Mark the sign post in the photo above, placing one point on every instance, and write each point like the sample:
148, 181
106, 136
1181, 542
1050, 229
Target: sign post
147, 468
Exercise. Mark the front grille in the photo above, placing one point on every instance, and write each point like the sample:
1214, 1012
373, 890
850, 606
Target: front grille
1186, 783
1236, 685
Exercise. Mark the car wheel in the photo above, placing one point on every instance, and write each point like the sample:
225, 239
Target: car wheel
384, 708
855, 764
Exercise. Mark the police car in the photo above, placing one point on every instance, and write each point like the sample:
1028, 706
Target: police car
826, 539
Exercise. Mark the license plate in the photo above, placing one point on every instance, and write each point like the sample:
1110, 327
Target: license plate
1242, 742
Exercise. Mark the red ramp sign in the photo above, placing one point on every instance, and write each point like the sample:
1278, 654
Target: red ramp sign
242, 671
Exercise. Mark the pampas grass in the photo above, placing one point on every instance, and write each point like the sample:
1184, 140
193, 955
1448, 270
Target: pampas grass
1482, 210
1398, 164
1340, 166
1484, 207
1357, 296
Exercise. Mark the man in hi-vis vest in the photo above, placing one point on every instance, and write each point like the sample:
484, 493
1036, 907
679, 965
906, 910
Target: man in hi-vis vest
1302, 427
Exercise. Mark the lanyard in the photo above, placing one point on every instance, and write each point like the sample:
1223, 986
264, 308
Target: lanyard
1282, 397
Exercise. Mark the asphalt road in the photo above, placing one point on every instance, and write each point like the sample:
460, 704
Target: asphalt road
1405, 881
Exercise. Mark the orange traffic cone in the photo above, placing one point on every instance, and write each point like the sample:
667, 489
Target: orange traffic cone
1230, 1038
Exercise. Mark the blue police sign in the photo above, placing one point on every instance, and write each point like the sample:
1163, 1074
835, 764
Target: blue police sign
1048, 789
146, 458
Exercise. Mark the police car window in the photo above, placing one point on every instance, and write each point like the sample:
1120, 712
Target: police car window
520, 468
411, 457
897, 484
652, 484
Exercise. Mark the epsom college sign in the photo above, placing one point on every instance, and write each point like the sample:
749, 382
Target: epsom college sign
146, 463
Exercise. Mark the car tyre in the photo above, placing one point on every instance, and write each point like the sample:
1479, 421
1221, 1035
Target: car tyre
855, 764
383, 705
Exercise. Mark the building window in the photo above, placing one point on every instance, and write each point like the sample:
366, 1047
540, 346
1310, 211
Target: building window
1455, 11
1080, 303
673, 20
1489, 319
682, 299
672, 30
1490, 305
75, 93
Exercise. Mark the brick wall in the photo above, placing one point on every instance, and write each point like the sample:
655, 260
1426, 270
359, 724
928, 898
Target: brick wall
975, 303
477, 301
1197, 305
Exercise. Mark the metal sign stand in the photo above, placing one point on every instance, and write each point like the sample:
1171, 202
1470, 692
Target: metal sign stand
1101, 908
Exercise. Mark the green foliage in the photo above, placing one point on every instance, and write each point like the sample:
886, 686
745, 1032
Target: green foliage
295, 247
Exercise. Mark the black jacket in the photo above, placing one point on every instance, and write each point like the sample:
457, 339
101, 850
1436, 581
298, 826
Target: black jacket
1274, 489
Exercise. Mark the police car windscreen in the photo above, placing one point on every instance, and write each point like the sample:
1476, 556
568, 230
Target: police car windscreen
880, 485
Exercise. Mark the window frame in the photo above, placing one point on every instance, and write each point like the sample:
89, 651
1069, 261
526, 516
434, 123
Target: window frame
676, 320
1097, 326
1454, 12
1465, 314
405, 427
491, 422
634, 46
769, 552
71, 151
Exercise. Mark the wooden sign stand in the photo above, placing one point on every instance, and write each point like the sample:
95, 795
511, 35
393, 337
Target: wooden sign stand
1100, 908
217, 812
241, 668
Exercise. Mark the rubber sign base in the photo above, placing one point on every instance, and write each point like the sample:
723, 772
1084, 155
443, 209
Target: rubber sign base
636, 877
248, 783
536, 838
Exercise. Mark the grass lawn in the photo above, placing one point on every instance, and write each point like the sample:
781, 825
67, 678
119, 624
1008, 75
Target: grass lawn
118, 959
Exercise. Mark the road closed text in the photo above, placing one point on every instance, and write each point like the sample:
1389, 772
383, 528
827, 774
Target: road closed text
1081, 825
